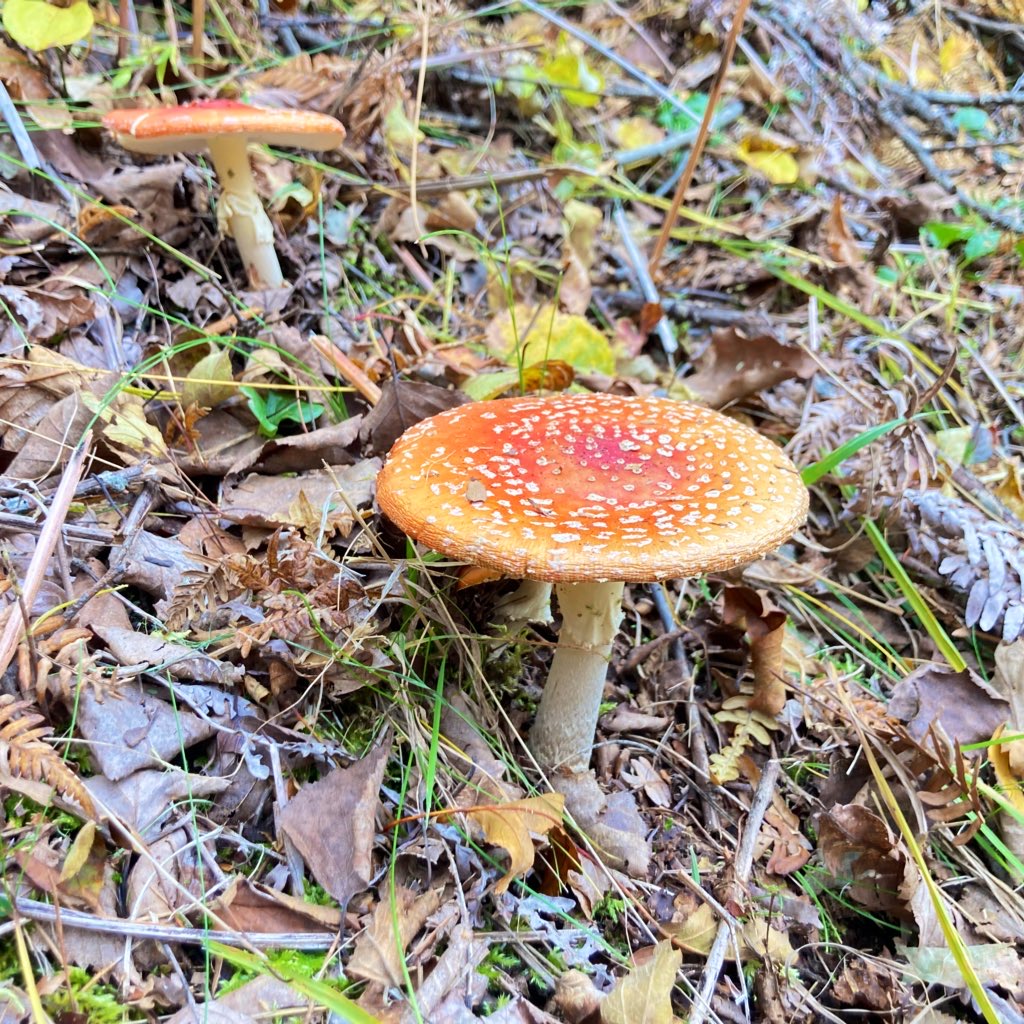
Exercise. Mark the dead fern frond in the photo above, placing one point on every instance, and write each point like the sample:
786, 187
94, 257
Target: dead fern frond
24, 753
751, 727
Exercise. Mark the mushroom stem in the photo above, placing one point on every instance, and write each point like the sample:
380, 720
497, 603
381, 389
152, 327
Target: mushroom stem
242, 211
529, 602
563, 733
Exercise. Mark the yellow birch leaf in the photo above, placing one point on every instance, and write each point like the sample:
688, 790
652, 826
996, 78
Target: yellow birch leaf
79, 852
770, 161
38, 25
544, 334
644, 996
209, 382
697, 933
509, 826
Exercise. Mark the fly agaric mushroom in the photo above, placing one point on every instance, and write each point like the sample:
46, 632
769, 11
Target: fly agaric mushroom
589, 492
225, 128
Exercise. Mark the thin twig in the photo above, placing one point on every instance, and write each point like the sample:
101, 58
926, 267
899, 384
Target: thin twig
647, 287
35, 910
741, 874
714, 95
18, 624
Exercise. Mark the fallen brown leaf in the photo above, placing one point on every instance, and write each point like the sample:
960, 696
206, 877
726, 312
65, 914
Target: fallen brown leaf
313, 501
967, 709
735, 366
340, 858
380, 950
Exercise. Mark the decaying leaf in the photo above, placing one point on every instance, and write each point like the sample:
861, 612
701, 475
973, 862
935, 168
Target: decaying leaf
696, 932
340, 858
644, 996
962, 704
765, 626
735, 366
380, 950
512, 826
861, 852
316, 501
770, 157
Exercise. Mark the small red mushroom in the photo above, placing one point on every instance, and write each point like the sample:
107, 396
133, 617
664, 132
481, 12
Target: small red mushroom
589, 492
225, 128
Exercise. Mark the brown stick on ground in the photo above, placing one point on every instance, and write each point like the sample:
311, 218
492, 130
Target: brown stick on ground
702, 136
18, 622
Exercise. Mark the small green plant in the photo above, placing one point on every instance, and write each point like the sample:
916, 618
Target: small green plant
82, 999
611, 907
274, 408
971, 237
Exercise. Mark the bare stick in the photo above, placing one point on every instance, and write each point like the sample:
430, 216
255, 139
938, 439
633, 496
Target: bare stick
741, 874
18, 622
702, 135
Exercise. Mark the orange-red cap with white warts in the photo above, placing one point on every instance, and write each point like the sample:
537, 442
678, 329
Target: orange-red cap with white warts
592, 487
187, 128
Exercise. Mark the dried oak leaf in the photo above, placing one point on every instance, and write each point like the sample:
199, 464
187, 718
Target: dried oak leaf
962, 704
735, 366
861, 852
340, 859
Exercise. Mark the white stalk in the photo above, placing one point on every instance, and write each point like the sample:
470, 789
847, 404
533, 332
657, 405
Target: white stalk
241, 210
563, 733
529, 602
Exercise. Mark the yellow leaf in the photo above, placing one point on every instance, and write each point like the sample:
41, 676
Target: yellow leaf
634, 132
955, 50
1009, 784
697, 933
38, 25
1009, 490
542, 333
208, 382
778, 165
509, 826
79, 852
123, 424
644, 996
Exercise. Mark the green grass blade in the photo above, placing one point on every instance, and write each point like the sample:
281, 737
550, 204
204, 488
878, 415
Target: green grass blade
319, 991
924, 614
813, 473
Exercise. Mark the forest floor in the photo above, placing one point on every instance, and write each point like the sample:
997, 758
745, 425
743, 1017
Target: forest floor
264, 758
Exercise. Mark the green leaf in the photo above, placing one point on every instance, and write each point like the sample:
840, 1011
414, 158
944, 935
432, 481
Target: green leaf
947, 235
272, 408
981, 244
37, 25
972, 120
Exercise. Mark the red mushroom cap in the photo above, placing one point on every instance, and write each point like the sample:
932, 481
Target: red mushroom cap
592, 487
186, 128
